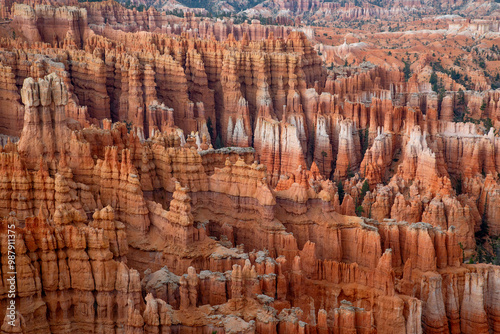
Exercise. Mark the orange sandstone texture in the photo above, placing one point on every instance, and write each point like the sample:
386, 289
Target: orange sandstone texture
351, 256
322, 214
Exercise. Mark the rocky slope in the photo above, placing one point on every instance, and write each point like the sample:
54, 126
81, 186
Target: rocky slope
324, 11
160, 180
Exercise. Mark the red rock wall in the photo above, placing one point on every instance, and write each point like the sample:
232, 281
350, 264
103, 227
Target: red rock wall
106, 189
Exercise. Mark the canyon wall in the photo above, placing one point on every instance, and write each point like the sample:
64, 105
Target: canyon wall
168, 182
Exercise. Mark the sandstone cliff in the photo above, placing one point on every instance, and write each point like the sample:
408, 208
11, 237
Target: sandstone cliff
339, 204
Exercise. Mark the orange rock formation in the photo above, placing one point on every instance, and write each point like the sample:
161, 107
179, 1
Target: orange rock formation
338, 203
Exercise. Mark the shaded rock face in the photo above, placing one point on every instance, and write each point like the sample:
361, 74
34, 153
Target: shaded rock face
49, 23
91, 211
322, 215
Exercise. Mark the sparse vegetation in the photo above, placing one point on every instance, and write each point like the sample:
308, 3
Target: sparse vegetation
407, 69
359, 210
218, 142
364, 189
340, 189
364, 140
323, 154
129, 126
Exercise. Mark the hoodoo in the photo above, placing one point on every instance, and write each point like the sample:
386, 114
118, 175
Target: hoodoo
279, 166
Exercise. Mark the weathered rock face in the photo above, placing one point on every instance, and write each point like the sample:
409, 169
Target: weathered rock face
378, 159
348, 158
77, 269
130, 20
45, 129
129, 221
11, 112
50, 24
127, 190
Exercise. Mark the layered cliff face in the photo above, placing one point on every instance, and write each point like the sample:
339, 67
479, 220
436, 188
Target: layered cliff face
107, 13
51, 24
140, 209
318, 10
341, 202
